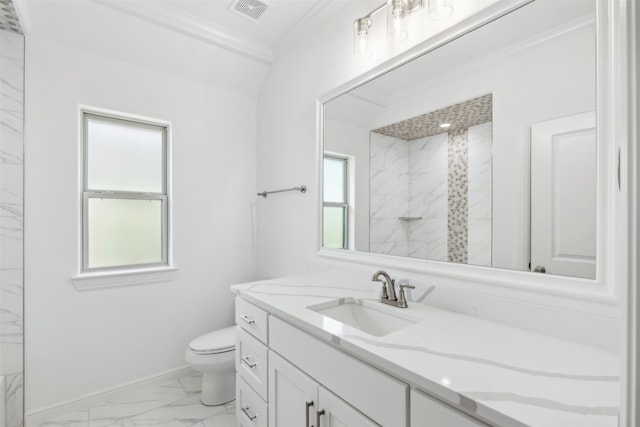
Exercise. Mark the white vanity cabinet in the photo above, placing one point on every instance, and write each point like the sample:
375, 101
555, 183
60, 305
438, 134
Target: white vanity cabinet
383, 398
251, 364
297, 400
429, 412
287, 377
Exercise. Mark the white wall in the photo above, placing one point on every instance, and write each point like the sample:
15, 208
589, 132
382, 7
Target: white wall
79, 342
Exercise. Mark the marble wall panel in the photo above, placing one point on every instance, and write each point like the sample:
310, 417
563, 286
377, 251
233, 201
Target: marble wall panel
428, 197
11, 223
389, 195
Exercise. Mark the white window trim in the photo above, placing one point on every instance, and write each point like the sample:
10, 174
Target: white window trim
127, 275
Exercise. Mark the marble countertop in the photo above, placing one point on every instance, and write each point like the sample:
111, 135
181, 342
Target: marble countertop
504, 375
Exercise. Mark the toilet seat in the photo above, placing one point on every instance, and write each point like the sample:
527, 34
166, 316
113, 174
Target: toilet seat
220, 341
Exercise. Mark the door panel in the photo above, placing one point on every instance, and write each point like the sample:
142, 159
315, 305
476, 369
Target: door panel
338, 413
292, 394
563, 195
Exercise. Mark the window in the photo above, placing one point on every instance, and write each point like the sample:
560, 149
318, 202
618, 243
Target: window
124, 199
335, 209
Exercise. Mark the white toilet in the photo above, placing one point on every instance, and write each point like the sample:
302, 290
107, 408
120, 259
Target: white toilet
213, 354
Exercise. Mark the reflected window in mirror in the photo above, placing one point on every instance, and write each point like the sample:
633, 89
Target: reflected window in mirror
336, 202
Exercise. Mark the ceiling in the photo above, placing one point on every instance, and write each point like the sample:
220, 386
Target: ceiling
202, 40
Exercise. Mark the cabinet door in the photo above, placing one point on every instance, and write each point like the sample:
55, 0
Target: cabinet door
335, 412
429, 412
292, 395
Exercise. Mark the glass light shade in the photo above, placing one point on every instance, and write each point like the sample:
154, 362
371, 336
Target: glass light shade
396, 20
361, 43
440, 9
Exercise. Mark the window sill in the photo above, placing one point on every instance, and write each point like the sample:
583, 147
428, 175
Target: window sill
112, 279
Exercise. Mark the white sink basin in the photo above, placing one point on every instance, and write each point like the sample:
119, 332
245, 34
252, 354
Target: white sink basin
374, 318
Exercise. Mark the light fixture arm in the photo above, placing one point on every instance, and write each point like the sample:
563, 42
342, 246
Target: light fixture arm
375, 11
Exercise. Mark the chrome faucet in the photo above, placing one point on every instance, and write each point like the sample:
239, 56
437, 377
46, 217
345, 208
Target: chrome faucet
388, 293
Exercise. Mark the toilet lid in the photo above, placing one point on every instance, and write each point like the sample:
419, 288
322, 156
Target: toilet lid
215, 342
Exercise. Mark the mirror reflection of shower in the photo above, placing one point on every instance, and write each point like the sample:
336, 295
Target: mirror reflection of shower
430, 193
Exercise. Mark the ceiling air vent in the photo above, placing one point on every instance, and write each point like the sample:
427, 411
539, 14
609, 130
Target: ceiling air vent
251, 9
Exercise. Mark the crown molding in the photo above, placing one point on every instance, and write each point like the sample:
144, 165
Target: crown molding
321, 10
175, 20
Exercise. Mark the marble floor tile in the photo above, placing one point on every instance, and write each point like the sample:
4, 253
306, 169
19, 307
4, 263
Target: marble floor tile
71, 419
228, 419
172, 404
139, 401
191, 383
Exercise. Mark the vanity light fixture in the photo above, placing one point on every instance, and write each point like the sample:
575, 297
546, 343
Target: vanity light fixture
396, 20
361, 45
440, 9
397, 13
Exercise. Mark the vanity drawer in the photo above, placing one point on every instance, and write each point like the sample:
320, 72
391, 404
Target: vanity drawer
427, 411
383, 398
252, 319
251, 362
251, 410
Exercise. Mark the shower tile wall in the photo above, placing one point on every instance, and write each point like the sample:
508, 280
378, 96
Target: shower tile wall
428, 197
11, 224
479, 230
411, 179
389, 194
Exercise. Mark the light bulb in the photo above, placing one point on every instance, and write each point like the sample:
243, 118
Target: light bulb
396, 22
361, 46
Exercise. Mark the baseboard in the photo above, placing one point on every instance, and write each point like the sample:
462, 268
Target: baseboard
37, 416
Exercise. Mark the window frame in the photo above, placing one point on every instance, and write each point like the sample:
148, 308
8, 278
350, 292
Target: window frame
89, 193
345, 204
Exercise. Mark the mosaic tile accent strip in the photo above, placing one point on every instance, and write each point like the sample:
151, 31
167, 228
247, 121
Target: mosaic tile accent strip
9, 18
458, 186
461, 116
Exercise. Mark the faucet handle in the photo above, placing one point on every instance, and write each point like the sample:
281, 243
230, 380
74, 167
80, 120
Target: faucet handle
383, 293
402, 300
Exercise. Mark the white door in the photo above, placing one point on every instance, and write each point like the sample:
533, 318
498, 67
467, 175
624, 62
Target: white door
293, 396
335, 412
563, 196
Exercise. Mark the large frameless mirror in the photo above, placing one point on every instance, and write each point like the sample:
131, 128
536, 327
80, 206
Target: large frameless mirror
480, 152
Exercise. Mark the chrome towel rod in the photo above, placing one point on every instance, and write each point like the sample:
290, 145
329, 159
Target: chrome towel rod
302, 189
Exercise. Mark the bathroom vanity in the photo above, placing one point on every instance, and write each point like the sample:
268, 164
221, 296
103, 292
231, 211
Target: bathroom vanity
313, 353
